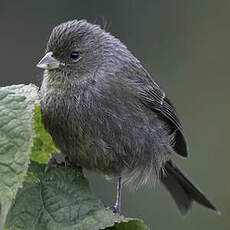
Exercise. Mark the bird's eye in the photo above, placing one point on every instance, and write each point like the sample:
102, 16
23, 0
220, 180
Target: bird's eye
75, 55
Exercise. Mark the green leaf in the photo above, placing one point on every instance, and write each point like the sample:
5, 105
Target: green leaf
16, 138
61, 200
43, 143
130, 224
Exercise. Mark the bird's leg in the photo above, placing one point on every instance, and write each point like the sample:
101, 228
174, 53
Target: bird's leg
117, 207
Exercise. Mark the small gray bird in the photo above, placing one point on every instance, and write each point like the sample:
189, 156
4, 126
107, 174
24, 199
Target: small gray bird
105, 112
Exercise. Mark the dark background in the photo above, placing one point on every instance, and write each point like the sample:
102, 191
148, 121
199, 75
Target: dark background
185, 46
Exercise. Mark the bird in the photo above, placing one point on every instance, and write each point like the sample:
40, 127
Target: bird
107, 114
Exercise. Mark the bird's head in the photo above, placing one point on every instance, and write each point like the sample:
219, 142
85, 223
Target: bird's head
78, 48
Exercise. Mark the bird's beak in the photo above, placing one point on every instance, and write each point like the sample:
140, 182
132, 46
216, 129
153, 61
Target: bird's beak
48, 62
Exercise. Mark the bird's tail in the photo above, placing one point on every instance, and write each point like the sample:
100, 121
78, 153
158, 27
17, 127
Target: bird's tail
182, 190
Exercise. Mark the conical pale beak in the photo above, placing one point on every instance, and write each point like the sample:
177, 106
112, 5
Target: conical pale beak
48, 62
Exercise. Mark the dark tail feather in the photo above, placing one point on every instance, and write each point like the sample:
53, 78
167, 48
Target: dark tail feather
182, 190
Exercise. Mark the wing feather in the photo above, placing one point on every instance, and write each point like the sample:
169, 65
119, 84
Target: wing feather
154, 98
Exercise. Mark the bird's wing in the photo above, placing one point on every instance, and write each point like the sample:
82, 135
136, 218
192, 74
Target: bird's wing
152, 96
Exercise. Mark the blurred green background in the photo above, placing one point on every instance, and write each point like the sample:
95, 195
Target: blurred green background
185, 46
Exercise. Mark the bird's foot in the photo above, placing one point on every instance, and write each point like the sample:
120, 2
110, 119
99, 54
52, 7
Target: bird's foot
57, 159
116, 209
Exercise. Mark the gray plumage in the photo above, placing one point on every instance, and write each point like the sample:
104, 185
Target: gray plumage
107, 114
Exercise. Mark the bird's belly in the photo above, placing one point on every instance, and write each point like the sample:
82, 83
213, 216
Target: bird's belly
84, 148
115, 151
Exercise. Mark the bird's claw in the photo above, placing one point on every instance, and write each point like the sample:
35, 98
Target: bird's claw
57, 160
115, 209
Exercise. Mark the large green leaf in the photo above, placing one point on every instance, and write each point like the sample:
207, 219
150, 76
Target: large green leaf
16, 137
60, 199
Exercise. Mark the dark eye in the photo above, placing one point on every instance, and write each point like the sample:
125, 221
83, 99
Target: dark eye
75, 55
